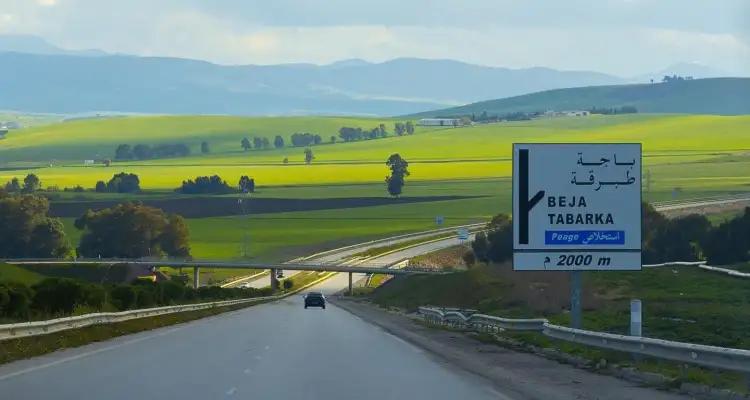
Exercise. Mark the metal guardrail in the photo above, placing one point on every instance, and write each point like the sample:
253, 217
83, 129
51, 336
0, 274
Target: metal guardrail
706, 356
35, 328
701, 265
24, 329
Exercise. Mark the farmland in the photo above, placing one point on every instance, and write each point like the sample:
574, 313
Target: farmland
685, 157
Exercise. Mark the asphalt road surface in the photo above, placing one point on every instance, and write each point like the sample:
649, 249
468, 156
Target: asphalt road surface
277, 350
271, 351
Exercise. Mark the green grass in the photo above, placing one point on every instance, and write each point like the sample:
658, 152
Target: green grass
682, 304
709, 96
14, 273
435, 154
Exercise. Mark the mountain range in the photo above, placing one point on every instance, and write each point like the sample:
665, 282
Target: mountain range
36, 76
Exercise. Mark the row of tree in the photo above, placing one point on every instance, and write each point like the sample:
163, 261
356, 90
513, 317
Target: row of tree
125, 152
257, 143
687, 238
31, 184
60, 297
120, 183
613, 110
215, 185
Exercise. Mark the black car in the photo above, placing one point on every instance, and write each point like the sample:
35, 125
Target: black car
315, 299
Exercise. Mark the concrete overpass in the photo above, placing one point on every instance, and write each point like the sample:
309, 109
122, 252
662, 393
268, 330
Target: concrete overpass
366, 268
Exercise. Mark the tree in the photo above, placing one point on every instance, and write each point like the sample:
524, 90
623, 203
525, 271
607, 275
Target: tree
496, 243
132, 230
257, 143
409, 127
123, 152
174, 239
204, 148
205, 185
333, 139
142, 152
317, 139
309, 156
399, 128
100, 187
383, 132
278, 142
31, 183
266, 143
246, 184
729, 242
26, 230
246, 144
13, 186
124, 183
399, 170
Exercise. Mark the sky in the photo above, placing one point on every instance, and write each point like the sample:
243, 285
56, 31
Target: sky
620, 37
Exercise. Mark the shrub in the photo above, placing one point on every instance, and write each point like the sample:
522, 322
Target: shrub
288, 284
122, 297
18, 300
57, 296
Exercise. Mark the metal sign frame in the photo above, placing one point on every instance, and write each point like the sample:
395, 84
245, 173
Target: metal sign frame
522, 254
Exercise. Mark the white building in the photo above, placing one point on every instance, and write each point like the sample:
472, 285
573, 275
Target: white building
439, 122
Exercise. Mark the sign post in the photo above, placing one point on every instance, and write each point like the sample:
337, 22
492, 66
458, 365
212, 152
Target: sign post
576, 207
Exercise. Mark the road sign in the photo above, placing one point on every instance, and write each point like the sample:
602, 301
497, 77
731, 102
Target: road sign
576, 207
439, 220
463, 234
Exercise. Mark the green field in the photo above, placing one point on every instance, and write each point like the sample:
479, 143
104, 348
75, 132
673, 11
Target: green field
686, 156
434, 154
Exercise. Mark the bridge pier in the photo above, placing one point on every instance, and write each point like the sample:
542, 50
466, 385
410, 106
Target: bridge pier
351, 288
274, 280
196, 277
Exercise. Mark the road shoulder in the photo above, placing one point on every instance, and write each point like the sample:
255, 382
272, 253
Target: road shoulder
528, 375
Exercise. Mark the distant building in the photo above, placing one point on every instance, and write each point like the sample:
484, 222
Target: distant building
88, 162
573, 113
439, 122
3, 132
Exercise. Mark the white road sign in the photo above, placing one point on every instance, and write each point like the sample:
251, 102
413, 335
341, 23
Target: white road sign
462, 233
576, 207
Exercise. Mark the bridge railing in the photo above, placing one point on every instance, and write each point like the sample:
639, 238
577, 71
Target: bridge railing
707, 356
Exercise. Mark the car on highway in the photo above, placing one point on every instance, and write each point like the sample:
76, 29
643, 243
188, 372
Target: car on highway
315, 299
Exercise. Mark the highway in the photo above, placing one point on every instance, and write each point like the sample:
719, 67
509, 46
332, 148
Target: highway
280, 350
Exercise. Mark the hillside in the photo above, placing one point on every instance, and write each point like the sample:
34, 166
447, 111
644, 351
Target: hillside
77, 84
723, 96
481, 151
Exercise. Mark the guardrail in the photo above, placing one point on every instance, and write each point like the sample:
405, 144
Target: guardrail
35, 328
394, 239
701, 265
706, 356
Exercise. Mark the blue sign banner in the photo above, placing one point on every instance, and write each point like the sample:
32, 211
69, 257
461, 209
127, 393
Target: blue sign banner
584, 237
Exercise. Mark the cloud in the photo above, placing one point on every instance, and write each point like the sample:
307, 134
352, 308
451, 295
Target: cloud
47, 3
616, 36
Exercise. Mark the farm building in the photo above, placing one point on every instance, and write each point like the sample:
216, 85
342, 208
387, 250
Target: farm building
439, 122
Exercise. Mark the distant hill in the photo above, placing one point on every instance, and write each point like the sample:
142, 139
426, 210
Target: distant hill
723, 96
36, 45
65, 83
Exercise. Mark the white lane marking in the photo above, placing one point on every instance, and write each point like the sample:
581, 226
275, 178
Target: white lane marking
73, 358
231, 391
87, 354
247, 371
